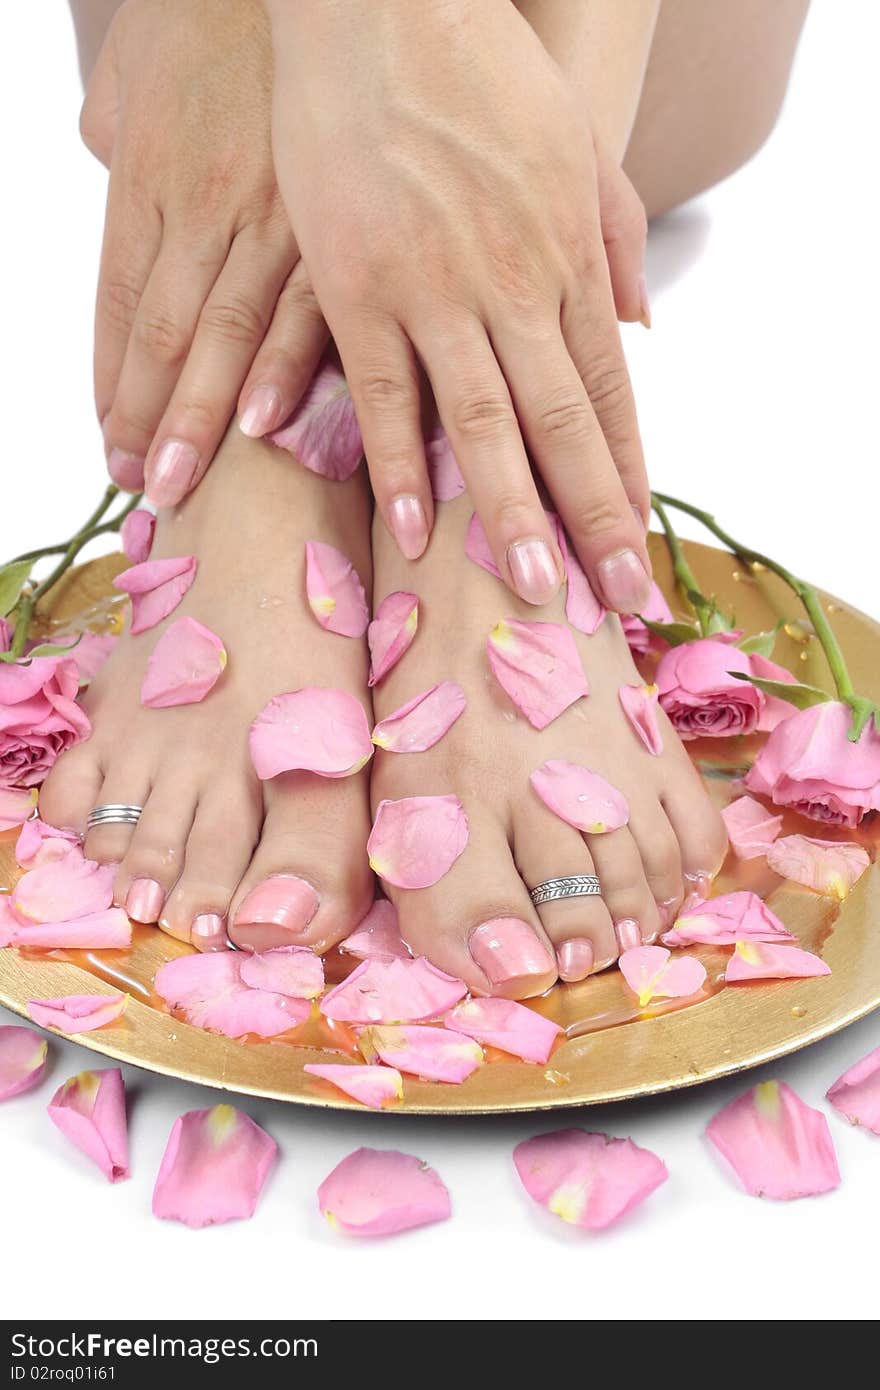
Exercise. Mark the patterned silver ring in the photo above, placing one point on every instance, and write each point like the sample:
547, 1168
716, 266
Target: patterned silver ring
113, 815
575, 886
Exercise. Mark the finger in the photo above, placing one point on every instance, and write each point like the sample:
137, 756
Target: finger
382, 374
478, 415
624, 232
233, 322
286, 361
100, 110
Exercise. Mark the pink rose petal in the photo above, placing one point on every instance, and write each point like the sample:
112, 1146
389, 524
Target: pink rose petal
334, 591
39, 843
109, 930
750, 829
856, 1094
433, 1054
16, 806
422, 721
209, 991
391, 632
538, 666
376, 1087
582, 608
777, 1146
89, 1109
90, 653
724, 920
580, 797
504, 1024
378, 1192
9, 923
214, 1168
64, 889
185, 664
156, 588
136, 535
393, 991
23, 1056
640, 638
377, 937
311, 730
77, 1013
762, 960
587, 1180
443, 470
640, 707
826, 866
477, 548
323, 432
653, 973
810, 763
416, 840
290, 970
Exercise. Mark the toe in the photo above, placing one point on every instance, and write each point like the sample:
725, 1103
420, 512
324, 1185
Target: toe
72, 789
698, 828
126, 784
217, 855
625, 888
580, 929
155, 856
659, 852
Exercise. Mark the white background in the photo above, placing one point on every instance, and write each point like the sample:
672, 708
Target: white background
757, 389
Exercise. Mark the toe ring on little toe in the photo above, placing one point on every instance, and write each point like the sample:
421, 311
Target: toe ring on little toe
113, 814
574, 886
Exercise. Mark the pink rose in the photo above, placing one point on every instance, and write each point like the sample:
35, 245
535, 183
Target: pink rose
808, 763
702, 698
656, 610
39, 718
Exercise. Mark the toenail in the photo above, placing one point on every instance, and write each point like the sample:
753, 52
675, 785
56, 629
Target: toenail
208, 932
508, 952
145, 900
699, 886
575, 960
628, 933
278, 908
668, 911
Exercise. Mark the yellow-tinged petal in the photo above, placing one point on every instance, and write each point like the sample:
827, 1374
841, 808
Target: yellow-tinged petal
222, 1120
767, 1099
568, 1203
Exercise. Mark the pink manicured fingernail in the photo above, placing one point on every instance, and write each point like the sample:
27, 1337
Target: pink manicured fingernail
261, 412
644, 302
208, 932
628, 933
407, 519
575, 960
509, 954
278, 908
625, 582
533, 572
145, 900
171, 473
126, 470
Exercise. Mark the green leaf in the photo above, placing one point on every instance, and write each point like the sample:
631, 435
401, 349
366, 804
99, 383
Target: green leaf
803, 696
761, 643
673, 633
52, 649
716, 622
12, 580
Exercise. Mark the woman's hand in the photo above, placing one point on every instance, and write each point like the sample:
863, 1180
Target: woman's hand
444, 192
202, 297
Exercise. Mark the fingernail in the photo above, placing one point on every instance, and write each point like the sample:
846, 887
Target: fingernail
511, 956
126, 470
171, 473
639, 516
208, 932
261, 412
534, 574
644, 302
628, 933
625, 582
409, 527
278, 908
145, 900
575, 960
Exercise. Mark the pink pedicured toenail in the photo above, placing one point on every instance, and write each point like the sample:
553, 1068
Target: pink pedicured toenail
278, 908
509, 954
628, 933
575, 960
145, 900
208, 932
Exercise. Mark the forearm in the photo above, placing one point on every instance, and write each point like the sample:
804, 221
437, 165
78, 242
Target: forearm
91, 20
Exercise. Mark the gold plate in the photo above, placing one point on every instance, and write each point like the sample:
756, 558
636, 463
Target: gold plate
610, 1050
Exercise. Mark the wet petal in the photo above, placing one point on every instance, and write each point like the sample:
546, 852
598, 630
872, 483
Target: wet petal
750, 828
652, 972
422, 721
762, 960
856, 1094
323, 432
443, 469
724, 920
39, 843
391, 632
291, 970
22, 1060
214, 1167
9, 923
582, 608
640, 707
376, 1087
377, 937
17, 806
393, 991
63, 889
777, 1146
580, 797
89, 1109
538, 666
416, 840
827, 866
433, 1054
136, 534
185, 664
311, 730
334, 591
109, 930
587, 1180
477, 548
378, 1192
209, 992
77, 1013
507, 1025
156, 588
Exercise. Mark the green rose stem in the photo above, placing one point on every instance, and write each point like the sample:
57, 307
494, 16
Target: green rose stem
707, 613
863, 709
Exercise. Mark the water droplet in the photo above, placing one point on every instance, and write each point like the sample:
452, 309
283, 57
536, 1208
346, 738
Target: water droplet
556, 1078
799, 630
270, 601
798, 1011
